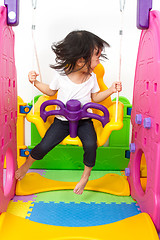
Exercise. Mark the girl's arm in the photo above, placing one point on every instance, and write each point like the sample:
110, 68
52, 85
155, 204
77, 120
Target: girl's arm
100, 96
43, 87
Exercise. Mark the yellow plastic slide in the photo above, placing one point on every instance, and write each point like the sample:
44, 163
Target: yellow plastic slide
139, 227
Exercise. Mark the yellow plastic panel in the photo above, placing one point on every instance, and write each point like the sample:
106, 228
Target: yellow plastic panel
109, 183
139, 227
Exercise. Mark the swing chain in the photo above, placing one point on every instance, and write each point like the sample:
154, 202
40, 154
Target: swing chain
34, 4
122, 5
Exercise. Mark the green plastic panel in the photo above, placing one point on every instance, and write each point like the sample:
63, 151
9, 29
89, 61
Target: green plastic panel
71, 157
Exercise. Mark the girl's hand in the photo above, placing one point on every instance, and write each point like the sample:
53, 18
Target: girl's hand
116, 87
32, 75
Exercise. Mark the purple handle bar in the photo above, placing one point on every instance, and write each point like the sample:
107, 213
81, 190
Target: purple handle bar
73, 113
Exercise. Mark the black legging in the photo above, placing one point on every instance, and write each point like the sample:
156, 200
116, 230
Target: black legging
59, 130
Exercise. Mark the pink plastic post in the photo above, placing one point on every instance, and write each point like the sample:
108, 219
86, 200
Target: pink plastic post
146, 136
8, 112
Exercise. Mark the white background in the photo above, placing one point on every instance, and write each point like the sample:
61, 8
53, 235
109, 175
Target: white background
55, 19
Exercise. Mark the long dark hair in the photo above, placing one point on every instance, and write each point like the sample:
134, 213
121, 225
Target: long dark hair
76, 45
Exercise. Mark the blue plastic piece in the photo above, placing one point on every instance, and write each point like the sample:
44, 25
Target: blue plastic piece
81, 214
129, 109
25, 109
25, 152
12, 12
127, 154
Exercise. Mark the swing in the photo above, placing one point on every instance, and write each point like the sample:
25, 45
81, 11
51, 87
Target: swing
103, 133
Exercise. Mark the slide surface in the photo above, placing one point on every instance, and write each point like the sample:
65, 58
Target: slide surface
137, 227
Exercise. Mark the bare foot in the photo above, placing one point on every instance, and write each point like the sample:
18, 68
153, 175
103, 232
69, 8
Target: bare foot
21, 172
81, 185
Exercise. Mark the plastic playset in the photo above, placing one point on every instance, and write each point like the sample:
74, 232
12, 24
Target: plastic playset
122, 198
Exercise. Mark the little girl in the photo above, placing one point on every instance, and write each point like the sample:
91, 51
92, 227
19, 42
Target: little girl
76, 57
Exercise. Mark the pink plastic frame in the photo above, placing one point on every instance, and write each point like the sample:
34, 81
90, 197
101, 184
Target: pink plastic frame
8, 112
146, 133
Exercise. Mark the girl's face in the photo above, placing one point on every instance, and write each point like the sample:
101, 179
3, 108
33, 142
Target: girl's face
95, 59
94, 62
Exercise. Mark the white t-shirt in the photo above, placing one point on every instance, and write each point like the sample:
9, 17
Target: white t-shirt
69, 90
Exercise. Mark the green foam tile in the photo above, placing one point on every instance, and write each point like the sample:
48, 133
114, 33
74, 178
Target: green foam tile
87, 197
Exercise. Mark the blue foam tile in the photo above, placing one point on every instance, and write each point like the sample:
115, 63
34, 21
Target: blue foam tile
81, 214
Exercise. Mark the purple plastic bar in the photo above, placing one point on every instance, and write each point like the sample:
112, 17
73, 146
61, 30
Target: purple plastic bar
143, 8
73, 113
132, 147
138, 119
147, 123
12, 12
127, 172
